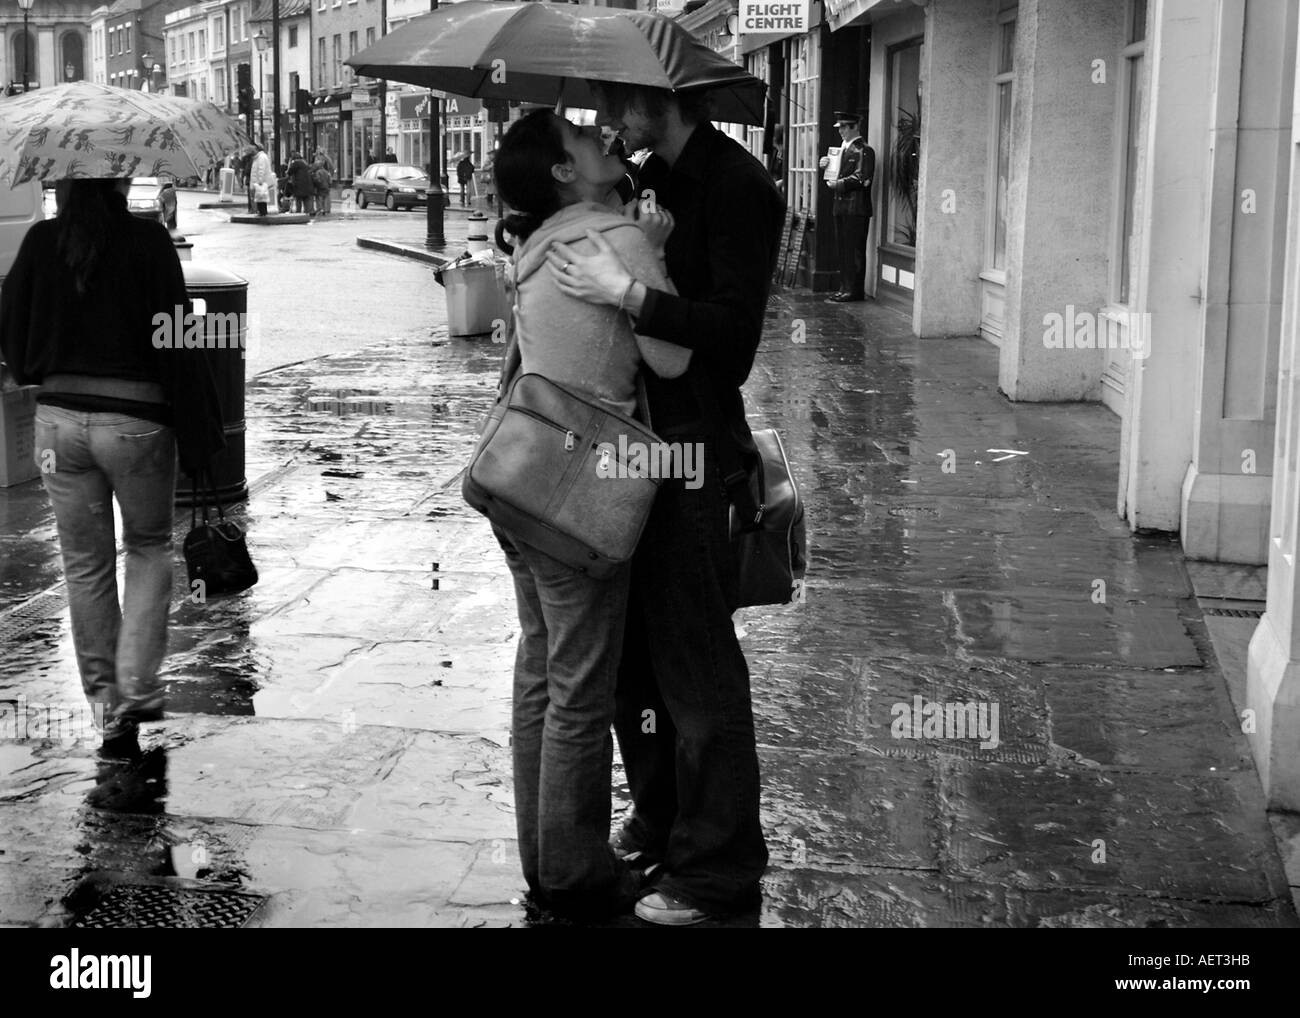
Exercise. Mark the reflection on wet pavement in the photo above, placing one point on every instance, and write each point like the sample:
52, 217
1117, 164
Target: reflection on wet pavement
338, 737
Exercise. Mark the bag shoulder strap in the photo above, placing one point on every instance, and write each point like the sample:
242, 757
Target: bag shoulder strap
734, 475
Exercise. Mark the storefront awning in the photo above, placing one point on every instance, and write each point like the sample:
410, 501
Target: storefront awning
840, 13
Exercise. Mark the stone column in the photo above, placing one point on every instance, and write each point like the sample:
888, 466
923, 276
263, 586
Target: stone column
1273, 668
1059, 194
1173, 174
1226, 489
953, 203
48, 70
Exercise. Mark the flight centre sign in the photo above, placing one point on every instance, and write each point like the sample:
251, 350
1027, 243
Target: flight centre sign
758, 16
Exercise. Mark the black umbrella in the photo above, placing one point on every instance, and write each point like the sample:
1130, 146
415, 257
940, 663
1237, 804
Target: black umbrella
551, 53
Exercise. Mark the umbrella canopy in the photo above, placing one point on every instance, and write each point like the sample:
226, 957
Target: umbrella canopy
88, 130
547, 53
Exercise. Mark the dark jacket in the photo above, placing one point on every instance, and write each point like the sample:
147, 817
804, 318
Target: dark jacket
720, 256
299, 174
464, 171
852, 187
47, 328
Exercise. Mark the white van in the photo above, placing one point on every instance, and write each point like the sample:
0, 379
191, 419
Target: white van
19, 208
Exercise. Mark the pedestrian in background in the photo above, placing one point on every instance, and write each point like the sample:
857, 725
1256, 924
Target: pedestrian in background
78, 314
694, 778
851, 207
260, 178
555, 176
322, 181
299, 175
464, 174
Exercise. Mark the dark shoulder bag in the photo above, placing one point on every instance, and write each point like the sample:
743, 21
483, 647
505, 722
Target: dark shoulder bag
768, 535
216, 554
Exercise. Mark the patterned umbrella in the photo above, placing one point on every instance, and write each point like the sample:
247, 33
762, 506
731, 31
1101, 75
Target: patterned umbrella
89, 130
549, 53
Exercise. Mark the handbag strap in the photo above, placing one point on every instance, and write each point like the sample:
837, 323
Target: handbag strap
734, 475
202, 491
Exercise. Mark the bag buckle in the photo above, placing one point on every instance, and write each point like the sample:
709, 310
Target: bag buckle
568, 441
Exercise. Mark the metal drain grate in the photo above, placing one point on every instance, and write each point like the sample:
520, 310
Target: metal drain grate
1236, 613
41, 608
152, 907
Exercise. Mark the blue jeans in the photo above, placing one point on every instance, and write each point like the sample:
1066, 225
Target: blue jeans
86, 459
565, 672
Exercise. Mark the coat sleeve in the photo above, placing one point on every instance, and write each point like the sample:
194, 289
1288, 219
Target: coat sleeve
16, 301
186, 375
724, 325
862, 172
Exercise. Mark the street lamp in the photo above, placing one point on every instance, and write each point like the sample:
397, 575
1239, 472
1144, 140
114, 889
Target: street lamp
26, 5
434, 235
261, 41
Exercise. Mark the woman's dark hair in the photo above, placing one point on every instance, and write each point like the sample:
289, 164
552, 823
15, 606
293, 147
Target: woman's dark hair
522, 170
87, 209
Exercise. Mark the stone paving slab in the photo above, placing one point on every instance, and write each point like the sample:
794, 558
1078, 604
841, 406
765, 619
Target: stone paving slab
1193, 836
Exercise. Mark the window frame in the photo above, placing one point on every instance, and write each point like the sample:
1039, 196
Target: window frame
999, 78
1119, 290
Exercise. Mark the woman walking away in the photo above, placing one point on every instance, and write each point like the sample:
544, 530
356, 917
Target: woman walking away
554, 176
80, 314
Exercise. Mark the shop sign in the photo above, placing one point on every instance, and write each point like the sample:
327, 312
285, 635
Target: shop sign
774, 16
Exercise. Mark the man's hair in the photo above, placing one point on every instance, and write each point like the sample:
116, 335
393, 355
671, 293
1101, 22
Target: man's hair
695, 104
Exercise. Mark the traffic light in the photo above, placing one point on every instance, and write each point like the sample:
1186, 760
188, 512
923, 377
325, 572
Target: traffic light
244, 89
498, 110
302, 101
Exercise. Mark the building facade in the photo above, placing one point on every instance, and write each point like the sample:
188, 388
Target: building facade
55, 49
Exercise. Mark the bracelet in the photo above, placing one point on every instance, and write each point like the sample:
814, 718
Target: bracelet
625, 294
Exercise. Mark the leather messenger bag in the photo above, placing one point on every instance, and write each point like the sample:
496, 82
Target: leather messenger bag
547, 470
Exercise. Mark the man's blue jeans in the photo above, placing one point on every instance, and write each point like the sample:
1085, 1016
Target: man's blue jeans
565, 671
86, 459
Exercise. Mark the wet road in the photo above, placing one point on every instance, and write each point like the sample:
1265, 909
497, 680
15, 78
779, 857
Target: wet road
338, 745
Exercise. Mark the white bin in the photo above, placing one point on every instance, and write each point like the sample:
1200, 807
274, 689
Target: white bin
476, 298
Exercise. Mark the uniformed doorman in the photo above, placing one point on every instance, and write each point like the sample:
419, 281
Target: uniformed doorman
851, 207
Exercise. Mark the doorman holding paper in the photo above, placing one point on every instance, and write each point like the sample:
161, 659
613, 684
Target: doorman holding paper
851, 207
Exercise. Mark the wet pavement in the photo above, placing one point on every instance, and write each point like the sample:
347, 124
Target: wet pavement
337, 739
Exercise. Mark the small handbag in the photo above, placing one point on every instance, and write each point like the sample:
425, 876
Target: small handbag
553, 468
768, 534
216, 554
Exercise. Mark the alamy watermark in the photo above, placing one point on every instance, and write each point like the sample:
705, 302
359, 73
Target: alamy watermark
971, 719
1077, 329
652, 459
64, 722
203, 330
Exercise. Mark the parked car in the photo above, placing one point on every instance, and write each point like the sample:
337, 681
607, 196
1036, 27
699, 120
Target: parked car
397, 186
153, 198
20, 207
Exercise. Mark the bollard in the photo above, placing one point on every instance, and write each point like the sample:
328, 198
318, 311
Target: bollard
220, 298
477, 240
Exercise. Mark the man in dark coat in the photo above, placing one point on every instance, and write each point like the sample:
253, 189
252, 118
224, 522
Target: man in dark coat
299, 174
464, 174
851, 207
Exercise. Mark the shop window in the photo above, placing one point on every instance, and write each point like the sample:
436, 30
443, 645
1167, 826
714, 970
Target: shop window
1004, 74
1132, 99
803, 59
903, 148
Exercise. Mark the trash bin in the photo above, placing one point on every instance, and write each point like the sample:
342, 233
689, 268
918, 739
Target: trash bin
221, 299
476, 297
